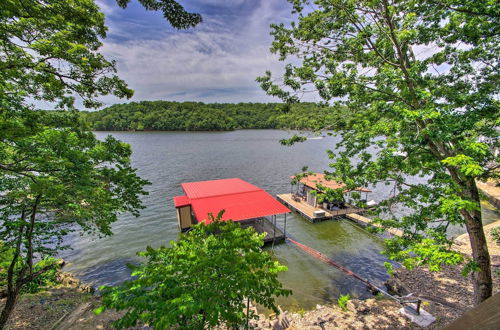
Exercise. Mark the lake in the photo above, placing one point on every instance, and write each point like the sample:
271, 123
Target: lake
169, 158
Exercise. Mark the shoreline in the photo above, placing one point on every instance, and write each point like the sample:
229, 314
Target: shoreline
446, 295
210, 131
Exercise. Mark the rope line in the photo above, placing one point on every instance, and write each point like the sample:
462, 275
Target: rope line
320, 256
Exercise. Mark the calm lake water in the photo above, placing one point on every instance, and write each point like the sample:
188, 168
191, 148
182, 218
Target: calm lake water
169, 158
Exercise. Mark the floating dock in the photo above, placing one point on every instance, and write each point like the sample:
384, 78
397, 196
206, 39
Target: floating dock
307, 211
304, 209
364, 221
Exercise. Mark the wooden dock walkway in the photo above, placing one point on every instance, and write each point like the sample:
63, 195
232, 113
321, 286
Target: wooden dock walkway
303, 208
307, 210
364, 221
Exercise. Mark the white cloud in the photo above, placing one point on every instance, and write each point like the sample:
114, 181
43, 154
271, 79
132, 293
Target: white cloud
217, 61
105, 7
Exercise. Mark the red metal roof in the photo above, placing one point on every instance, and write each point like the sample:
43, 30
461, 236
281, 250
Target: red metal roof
240, 200
202, 189
180, 201
240, 206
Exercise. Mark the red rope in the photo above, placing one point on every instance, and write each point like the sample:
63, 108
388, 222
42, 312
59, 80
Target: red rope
325, 259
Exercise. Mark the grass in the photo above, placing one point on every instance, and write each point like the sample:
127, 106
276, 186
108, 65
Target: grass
342, 301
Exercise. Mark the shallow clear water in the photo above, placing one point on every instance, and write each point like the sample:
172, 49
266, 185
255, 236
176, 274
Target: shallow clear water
170, 158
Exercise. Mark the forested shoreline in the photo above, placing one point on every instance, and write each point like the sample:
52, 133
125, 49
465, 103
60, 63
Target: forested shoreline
198, 116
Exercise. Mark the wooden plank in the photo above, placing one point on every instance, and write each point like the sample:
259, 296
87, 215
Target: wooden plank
305, 209
366, 221
484, 316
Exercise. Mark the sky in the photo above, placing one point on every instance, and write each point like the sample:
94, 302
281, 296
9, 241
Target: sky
217, 61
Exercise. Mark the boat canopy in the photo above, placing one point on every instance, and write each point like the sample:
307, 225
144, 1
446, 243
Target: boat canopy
240, 200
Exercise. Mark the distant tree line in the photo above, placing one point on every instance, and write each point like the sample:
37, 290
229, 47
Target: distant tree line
197, 116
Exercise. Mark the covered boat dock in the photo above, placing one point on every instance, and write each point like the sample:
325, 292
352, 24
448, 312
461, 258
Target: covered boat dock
307, 198
243, 202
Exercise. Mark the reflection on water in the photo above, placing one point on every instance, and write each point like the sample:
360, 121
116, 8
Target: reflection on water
169, 158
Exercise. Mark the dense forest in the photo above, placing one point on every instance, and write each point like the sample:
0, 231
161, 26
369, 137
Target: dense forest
197, 116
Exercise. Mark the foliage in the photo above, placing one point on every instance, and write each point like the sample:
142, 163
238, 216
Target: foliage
72, 180
299, 176
342, 301
56, 180
389, 268
495, 234
294, 139
55, 176
6, 255
172, 10
469, 267
427, 251
203, 280
59, 61
47, 278
198, 116
420, 80
330, 195
301, 312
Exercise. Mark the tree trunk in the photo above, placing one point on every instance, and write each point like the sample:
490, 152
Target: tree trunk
13, 286
29, 234
8, 308
483, 286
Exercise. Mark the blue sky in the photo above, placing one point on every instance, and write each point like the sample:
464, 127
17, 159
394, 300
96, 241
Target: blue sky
217, 61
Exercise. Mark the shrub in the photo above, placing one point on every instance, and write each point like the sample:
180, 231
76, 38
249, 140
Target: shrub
204, 280
47, 278
342, 301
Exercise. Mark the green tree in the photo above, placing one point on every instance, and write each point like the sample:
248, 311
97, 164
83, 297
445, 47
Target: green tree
172, 10
55, 176
54, 181
420, 80
205, 279
164, 115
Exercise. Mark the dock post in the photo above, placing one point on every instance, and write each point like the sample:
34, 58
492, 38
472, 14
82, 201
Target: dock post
284, 228
274, 229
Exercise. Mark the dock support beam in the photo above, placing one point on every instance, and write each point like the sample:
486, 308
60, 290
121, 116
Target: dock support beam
284, 228
274, 229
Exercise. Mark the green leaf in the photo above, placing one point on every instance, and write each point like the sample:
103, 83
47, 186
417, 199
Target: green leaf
99, 310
